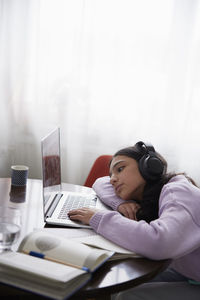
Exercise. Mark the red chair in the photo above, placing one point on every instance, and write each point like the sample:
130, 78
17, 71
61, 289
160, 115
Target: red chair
100, 168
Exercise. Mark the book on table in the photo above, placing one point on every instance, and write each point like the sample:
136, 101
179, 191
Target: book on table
51, 265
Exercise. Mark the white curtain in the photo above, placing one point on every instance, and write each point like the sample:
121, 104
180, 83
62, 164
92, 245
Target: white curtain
109, 73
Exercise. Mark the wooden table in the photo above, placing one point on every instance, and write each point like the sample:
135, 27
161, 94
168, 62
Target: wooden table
112, 277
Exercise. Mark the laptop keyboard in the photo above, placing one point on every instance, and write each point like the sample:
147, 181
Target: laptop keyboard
72, 202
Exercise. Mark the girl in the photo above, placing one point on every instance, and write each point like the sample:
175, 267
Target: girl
155, 214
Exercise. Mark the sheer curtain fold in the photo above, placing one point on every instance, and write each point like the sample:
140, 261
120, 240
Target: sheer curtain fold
109, 73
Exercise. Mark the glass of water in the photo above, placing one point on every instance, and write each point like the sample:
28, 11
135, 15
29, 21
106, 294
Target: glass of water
10, 225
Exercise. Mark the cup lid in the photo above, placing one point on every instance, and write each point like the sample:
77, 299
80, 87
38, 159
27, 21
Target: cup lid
20, 167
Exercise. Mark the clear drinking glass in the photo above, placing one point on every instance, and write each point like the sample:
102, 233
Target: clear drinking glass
10, 225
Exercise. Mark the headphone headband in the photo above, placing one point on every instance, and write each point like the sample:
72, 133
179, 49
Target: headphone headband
146, 146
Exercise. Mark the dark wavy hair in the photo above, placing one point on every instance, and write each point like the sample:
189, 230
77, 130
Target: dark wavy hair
149, 205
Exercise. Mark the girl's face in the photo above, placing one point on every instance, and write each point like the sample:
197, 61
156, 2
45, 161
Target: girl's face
126, 178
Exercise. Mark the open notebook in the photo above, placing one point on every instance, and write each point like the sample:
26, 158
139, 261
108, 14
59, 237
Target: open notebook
56, 202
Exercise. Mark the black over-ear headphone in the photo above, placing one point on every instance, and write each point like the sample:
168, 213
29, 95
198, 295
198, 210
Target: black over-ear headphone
151, 167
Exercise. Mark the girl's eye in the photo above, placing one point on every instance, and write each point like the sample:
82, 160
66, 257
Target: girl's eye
120, 169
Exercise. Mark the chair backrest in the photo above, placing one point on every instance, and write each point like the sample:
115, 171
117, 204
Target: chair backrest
100, 168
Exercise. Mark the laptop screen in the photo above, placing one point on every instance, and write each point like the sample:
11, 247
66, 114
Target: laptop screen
51, 165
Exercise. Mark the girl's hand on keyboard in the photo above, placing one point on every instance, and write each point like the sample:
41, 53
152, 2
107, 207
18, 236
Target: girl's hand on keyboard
82, 214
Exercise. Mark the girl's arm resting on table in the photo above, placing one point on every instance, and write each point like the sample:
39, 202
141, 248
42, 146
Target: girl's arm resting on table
105, 191
174, 234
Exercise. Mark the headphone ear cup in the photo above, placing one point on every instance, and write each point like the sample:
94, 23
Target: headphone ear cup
151, 167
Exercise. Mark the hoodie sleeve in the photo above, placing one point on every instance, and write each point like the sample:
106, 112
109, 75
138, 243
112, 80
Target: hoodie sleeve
105, 191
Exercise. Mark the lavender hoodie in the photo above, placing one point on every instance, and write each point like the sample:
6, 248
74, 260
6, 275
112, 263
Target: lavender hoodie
175, 234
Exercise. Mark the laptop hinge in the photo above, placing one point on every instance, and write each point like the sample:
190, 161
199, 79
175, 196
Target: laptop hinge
53, 205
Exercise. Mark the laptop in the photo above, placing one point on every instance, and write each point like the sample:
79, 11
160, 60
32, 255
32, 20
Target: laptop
56, 202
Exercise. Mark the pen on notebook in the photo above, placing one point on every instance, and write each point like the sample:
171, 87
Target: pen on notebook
41, 255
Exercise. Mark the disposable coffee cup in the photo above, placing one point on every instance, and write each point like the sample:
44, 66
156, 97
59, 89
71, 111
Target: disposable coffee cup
19, 175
